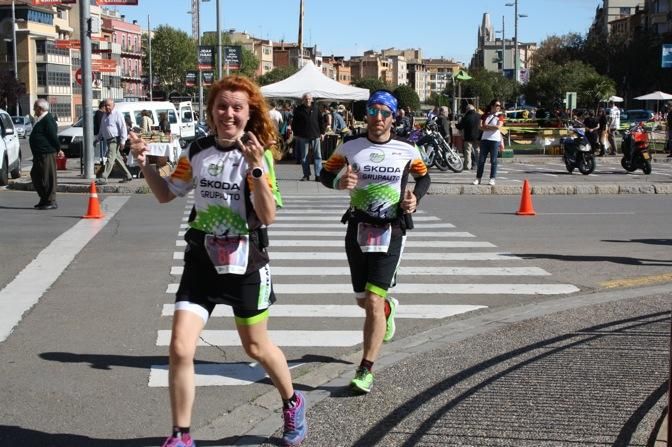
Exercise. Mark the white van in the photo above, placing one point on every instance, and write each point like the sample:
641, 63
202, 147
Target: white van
181, 119
182, 123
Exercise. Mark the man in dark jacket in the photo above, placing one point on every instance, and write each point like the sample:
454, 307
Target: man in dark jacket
470, 127
308, 131
45, 147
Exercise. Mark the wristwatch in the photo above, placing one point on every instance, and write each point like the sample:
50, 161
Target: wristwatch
257, 172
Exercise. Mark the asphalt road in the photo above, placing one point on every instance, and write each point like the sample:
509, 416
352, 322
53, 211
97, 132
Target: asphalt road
85, 365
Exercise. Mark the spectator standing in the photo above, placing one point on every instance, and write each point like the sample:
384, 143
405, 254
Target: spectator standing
592, 130
443, 124
113, 131
337, 120
147, 122
491, 122
602, 122
669, 128
308, 131
97, 118
470, 125
402, 123
614, 125
45, 148
275, 115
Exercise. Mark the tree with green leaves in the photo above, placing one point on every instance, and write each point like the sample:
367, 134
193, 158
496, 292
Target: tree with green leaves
276, 75
372, 84
173, 54
407, 96
488, 85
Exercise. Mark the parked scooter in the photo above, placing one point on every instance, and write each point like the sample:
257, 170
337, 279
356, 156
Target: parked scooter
578, 153
635, 148
202, 129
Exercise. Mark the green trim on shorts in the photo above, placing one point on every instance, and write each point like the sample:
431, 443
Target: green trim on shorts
375, 289
250, 321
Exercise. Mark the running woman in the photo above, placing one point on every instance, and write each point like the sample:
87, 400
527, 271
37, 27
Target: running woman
225, 261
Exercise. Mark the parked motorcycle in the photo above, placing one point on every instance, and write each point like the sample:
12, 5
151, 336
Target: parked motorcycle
202, 129
436, 151
577, 151
635, 148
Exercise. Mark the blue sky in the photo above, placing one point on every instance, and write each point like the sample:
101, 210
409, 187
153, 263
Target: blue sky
349, 27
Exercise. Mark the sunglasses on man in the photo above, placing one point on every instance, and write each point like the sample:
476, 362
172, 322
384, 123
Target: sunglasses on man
373, 112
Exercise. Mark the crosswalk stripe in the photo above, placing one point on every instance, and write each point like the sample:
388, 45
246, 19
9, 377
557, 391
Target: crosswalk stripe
216, 374
409, 243
280, 338
403, 270
407, 256
423, 289
322, 211
331, 218
404, 311
416, 234
441, 289
418, 228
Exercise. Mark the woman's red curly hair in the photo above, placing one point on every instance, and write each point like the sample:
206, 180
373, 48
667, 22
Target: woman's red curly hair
260, 123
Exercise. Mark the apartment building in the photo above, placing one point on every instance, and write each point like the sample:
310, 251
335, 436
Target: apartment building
288, 54
262, 49
613, 10
341, 70
371, 65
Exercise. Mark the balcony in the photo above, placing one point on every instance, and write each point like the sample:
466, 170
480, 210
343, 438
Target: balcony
131, 51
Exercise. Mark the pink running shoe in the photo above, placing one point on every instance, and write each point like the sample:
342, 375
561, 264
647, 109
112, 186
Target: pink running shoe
182, 441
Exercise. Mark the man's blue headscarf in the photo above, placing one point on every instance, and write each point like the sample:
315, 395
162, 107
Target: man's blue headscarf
385, 98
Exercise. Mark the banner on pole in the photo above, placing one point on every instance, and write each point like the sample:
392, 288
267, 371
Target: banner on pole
208, 78
233, 56
117, 2
666, 59
190, 78
53, 2
206, 57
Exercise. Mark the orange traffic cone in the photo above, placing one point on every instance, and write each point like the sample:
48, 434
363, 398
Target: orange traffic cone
94, 211
526, 208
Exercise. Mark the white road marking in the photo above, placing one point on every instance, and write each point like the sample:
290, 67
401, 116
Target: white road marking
408, 311
342, 226
415, 234
403, 270
423, 289
409, 243
280, 338
440, 289
26, 289
407, 256
331, 218
215, 374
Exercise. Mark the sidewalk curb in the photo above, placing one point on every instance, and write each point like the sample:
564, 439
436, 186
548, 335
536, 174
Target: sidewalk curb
258, 431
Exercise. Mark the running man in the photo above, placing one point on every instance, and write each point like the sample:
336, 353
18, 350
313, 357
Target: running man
374, 168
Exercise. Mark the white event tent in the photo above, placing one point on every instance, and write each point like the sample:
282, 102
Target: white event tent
311, 80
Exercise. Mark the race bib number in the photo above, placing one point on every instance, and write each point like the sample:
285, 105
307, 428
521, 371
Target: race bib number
374, 238
229, 254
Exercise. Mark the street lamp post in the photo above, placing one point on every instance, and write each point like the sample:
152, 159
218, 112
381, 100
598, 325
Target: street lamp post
516, 55
16, 62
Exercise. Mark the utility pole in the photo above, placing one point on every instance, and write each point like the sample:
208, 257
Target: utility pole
219, 46
503, 47
149, 39
87, 80
516, 58
300, 61
16, 58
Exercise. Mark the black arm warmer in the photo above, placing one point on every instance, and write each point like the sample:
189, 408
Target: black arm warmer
421, 186
327, 178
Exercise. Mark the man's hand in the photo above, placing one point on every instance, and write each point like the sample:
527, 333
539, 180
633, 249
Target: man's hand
348, 180
409, 203
138, 148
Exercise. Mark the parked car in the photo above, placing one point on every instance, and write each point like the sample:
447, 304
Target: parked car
23, 126
10, 152
71, 139
633, 116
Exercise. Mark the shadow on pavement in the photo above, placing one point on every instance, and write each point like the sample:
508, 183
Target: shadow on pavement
615, 259
644, 241
589, 339
14, 435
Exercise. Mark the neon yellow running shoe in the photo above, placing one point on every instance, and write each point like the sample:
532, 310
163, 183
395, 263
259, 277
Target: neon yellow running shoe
363, 381
391, 328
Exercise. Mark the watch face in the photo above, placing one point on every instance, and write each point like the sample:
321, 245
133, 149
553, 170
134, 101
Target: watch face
257, 172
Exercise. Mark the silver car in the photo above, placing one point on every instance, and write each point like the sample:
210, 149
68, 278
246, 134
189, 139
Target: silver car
23, 126
10, 152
